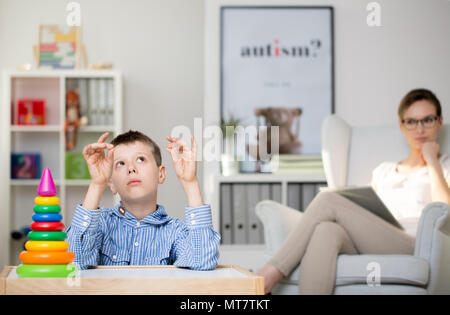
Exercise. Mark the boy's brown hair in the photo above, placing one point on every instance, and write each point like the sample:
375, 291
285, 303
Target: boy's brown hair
132, 136
418, 95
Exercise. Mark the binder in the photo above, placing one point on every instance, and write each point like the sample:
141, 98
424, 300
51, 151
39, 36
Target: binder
255, 233
294, 196
308, 194
101, 102
83, 91
226, 200
93, 103
110, 102
264, 191
240, 226
276, 192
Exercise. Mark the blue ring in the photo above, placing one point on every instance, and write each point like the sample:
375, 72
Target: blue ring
47, 217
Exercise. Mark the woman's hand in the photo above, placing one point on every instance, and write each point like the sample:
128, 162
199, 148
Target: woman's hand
430, 152
184, 159
100, 167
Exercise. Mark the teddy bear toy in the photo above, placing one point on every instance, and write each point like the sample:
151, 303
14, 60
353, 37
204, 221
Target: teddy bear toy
283, 118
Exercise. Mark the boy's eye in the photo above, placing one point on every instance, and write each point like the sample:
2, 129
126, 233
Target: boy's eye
141, 159
120, 163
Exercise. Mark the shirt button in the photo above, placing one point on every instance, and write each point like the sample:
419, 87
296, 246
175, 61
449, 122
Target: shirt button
85, 224
136, 244
193, 222
192, 215
138, 224
114, 257
85, 217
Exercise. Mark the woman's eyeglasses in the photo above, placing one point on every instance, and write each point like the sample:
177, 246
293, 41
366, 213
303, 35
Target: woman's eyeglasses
427, 122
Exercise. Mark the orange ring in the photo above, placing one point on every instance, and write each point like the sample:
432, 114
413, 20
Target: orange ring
47, 246
46, 258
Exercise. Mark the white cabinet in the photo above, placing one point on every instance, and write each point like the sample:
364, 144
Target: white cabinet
100, 100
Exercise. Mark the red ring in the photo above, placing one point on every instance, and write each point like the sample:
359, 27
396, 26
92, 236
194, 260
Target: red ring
47, 226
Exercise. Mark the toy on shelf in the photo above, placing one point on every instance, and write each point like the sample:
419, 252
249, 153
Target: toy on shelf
73, 119
25, 165
59, 47
30, 112
46, 254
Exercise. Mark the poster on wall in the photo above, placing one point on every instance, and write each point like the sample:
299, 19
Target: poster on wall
277, 69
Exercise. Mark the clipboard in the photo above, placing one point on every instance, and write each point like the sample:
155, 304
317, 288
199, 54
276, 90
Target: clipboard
367, 198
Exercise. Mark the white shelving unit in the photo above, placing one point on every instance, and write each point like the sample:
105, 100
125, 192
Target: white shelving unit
18, 195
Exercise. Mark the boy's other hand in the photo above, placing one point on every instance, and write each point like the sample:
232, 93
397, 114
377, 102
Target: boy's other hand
184, 159
100, 166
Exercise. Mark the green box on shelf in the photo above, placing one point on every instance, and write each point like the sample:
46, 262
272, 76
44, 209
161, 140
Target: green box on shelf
76, 167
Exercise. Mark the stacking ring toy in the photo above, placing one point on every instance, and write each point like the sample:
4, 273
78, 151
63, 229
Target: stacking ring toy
48, 258
46, 201
47, 236
46, 271
46, 246
47, 217
47, 226
47, 209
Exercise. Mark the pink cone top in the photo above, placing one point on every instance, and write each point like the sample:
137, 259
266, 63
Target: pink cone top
46, 186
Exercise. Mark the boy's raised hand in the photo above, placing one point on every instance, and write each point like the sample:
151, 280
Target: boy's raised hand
184, 158
100, 167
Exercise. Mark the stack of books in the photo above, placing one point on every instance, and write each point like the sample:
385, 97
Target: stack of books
296, 164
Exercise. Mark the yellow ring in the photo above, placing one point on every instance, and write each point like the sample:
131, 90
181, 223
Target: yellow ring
46, 201
48, 246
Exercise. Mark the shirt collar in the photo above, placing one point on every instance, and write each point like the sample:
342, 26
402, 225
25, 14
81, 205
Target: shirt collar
158, 217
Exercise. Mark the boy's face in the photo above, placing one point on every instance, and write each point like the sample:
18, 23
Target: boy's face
135, 174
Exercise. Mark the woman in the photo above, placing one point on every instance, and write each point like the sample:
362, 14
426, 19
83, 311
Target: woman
333, 225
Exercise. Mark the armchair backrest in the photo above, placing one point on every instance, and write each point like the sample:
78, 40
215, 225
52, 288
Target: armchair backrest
350, 154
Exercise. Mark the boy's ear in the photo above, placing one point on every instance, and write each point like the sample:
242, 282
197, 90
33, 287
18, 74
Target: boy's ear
162, 174
112, 187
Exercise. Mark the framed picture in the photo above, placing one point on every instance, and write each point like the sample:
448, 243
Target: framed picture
277, 63
59, 47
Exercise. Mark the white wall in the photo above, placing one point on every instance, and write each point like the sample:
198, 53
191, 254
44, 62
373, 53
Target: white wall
374, 66
157, 44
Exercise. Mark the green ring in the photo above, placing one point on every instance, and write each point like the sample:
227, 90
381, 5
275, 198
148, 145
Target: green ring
47, 236
46, 271
47, 209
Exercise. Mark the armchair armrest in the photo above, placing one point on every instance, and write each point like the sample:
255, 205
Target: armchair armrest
433, 244
393, 269
278, 220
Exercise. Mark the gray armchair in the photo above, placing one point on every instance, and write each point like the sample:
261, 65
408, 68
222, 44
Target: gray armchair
349, 155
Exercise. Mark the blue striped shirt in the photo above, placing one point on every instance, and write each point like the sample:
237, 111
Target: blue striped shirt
107, 237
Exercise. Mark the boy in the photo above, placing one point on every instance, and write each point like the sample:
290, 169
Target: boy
138, 231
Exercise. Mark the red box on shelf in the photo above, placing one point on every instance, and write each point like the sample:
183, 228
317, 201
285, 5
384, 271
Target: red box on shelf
30, 112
